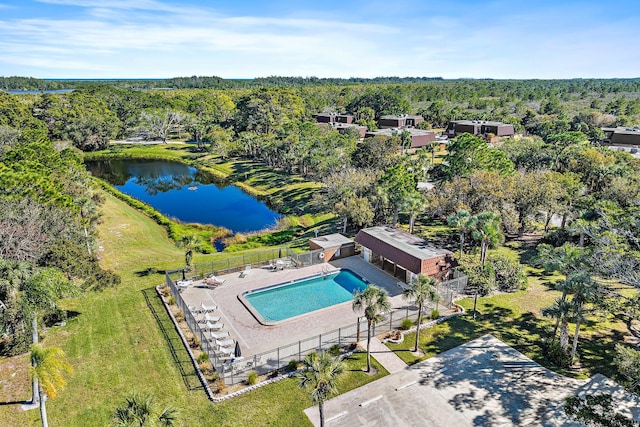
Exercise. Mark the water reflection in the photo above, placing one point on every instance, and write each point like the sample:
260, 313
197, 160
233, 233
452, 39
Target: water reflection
186, 193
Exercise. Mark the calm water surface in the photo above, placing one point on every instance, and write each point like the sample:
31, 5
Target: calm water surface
185, 193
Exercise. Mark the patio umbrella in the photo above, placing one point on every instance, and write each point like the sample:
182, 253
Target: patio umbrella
237, 353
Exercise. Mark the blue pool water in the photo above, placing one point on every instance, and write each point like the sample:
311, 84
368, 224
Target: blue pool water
282, 302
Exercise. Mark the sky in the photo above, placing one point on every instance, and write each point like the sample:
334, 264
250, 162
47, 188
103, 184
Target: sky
499, 39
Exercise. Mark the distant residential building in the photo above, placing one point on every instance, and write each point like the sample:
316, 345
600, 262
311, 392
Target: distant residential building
345, 127
478, 127
399, 121
419, 137
334, 118
622, 136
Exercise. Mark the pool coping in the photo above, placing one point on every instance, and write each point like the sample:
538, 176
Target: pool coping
256, 314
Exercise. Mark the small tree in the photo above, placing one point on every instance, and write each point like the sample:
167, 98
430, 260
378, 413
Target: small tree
48, 370
585, 290
421, 290
561, 311
460, 220
320, 376
485, 228
374, 301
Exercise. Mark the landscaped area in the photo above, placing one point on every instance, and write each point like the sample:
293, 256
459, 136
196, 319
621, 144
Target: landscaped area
533, 236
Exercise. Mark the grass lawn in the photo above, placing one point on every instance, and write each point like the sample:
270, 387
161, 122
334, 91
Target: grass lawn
115, 346
516, 319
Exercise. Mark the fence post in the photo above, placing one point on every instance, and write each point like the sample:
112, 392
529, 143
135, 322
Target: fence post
278, 365
358, 332
391, 320
320, 342
299, 350
339, 337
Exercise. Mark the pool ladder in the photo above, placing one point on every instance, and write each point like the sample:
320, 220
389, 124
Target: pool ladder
325, 272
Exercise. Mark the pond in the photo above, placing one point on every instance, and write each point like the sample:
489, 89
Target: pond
186, 193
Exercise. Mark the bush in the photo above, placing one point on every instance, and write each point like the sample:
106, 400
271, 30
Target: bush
179, 314
252, 378
406, 324
509, 273
293, 365
171, 300
435, 314
481, 278
557, 356
202, 357
334, 350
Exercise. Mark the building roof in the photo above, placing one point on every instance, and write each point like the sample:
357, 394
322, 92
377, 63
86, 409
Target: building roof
402, 248
397, 132
401, 116
480, 122
331, 241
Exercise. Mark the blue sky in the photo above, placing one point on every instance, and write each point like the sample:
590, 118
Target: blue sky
244, 39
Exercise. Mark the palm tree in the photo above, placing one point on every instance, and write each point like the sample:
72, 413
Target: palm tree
460, 220
422, 289
485, 228
374, 301
190, 242
561, 311
41, 292
564, 259
415, 204
320, 376
48, 370
140, 410
585, 290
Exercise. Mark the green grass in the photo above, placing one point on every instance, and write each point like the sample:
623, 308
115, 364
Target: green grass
516, 319
115, 345
288, 194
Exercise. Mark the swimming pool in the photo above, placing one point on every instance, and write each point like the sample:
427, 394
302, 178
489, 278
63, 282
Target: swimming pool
285, 301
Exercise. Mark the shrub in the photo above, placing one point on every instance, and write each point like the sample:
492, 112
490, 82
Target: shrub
292, 365
171, 300
179, 315
435, 314
509, 273
202, 357
221, 386
252, 378
557, 356
406, 324
334, 350
165, 291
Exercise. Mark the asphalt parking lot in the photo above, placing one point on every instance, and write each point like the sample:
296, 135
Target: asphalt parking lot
484, 382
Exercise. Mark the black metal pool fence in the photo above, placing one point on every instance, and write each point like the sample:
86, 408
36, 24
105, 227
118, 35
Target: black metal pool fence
279, 358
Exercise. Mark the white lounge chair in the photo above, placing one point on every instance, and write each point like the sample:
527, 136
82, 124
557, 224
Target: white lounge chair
219, 335
246, 271
208, 308
210, 318
225, 343
214, 326
209, 325
212, 280
226, 350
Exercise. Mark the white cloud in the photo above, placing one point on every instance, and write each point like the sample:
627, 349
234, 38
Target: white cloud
150, 38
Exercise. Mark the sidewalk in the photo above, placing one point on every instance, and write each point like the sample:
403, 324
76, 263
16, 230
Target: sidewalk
387, 358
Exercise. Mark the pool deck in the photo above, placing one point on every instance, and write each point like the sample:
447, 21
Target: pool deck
254, 337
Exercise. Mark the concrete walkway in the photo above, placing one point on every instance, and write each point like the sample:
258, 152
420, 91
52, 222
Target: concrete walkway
384, 356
